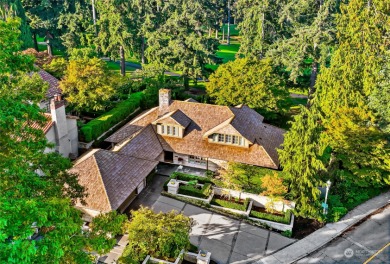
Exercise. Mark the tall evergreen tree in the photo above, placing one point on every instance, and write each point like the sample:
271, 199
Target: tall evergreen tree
351, 118
259, 26
300, 158
312, 28
181, 42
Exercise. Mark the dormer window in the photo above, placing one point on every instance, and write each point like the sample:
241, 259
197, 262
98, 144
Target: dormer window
170, 130
229, 139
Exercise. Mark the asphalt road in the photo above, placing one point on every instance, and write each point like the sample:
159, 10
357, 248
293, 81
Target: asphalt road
368, 242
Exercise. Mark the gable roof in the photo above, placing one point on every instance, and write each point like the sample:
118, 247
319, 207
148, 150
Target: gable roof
110, 177
175, 118
207, 119
53, 83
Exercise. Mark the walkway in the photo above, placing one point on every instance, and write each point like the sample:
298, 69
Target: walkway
323, 236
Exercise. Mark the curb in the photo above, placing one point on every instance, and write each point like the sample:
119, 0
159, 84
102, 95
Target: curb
326, 234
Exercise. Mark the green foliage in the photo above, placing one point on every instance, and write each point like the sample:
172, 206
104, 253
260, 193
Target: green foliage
82, 53
56, 67
287, 233
250, 82
191, 190
188, 177
88, 84
161, 235
98, 126
231, 204
300, 158
242, 177
285, 219
38, 222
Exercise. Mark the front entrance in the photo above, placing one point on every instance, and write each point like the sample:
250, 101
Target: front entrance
168, 156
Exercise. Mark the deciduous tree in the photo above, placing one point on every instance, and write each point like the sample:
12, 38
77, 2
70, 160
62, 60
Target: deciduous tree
251, 82
88, 84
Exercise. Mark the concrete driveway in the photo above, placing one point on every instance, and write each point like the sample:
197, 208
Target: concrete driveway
229, 240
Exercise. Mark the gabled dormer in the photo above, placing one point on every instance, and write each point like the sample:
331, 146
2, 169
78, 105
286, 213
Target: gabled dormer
227, 134
172, 124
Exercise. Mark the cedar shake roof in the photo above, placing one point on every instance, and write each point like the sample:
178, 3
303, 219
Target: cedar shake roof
204, 118
174, 118
44, 127
53, 84
144, 145
110, 177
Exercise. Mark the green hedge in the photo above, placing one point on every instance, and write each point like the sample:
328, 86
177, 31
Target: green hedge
188, 177
274, 218
231, 204
192, 191
98, 126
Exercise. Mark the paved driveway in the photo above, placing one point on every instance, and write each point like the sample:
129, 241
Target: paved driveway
229, 240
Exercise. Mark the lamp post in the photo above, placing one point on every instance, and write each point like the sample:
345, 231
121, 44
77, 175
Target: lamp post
325, 205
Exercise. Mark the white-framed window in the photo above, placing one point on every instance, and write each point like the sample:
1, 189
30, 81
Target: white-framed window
228, 138
168, 130
235, 140
196, 160
221, 138
162, 129
174, 131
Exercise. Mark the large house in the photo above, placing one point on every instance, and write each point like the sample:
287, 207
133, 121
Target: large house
187, 133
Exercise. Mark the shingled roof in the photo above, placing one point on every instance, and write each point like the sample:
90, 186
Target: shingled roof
53, 84
206, 118
110, 177
175, 118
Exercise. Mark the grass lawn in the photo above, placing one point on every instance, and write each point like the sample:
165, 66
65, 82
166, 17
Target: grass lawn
115, 67
233, 30
297, 91
55, 51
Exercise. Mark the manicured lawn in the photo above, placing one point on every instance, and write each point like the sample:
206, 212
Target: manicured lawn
233, 30
115, 67
55, 52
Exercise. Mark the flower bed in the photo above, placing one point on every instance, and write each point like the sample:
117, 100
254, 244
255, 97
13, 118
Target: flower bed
192, 190
284, 218
231, 204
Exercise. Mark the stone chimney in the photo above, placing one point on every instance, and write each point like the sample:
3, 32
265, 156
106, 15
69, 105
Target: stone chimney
164, 100
58, 116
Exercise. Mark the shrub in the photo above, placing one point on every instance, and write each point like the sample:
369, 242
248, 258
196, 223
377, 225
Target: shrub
98, 126
287, 233
188, 177
193, 191
336, 213
274, 218
231, 204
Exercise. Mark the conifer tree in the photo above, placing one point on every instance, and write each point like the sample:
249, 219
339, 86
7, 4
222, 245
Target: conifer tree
300, 159
346, 90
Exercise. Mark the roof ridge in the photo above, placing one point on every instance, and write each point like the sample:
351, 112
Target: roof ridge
101, 179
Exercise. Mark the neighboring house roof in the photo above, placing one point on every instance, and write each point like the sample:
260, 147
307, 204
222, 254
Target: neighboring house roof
205, 118
45, 127
110, 177
53, 84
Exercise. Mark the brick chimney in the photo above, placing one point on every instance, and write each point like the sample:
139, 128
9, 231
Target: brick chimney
164, 100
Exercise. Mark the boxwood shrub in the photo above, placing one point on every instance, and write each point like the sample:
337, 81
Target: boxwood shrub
188, 177
192, 191
274, 218
231, 204
98, 126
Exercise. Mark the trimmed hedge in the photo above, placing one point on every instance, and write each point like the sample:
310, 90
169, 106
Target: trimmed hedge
98, 126
231, 204
188, 177
192, 191
274, 218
